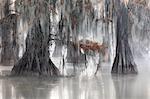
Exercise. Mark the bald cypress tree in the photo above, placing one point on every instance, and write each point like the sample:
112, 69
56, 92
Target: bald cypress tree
35, 60
124, 61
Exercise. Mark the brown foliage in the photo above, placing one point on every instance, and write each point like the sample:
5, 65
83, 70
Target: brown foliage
142, 2
88, 45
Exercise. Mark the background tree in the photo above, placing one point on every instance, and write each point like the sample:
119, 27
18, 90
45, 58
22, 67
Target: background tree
8, 27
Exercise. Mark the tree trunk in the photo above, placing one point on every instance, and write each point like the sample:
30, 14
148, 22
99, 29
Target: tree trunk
123, 62
35, 60
9, 46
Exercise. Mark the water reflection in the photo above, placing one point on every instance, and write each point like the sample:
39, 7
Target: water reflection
104, 86
124, 86
132, 86
62, 88
83, 88
26, 88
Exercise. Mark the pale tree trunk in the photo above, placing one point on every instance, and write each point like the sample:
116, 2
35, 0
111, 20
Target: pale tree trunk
123, 62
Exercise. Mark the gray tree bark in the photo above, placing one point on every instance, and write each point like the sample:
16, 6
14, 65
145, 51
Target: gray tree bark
35, 60
8, 26
8, 32
123, 62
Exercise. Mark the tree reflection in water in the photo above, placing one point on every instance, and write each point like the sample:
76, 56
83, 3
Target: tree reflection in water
102, 86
